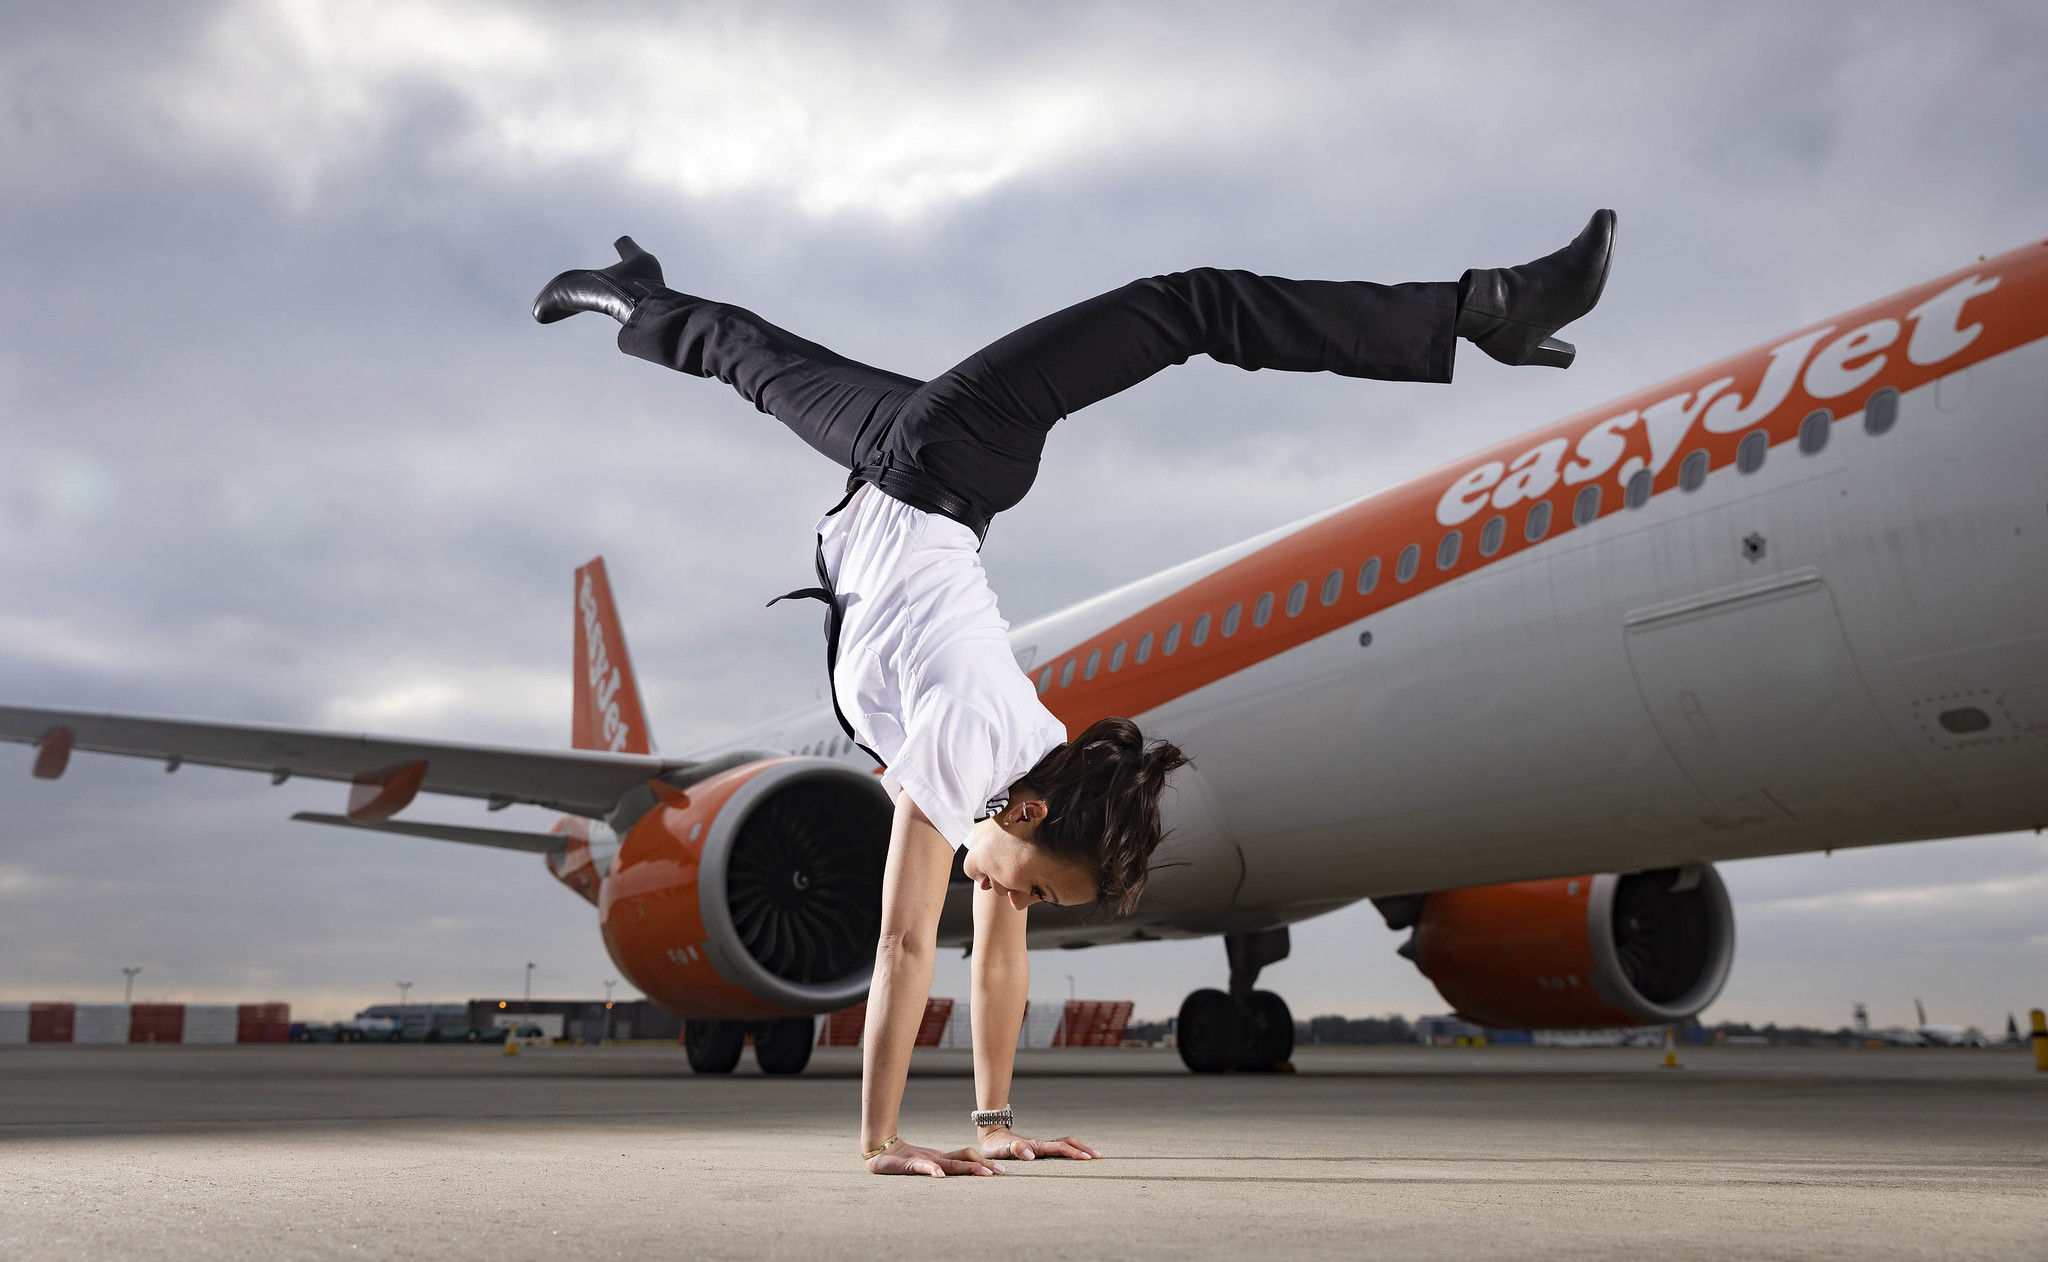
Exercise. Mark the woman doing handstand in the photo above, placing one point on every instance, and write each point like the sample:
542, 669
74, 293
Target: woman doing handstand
921, 669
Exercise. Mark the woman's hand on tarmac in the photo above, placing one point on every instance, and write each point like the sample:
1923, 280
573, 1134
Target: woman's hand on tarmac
1007, 1143
910, 1159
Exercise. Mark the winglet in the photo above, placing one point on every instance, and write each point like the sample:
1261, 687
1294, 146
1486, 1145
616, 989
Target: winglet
53, 753
375, 796
608, 714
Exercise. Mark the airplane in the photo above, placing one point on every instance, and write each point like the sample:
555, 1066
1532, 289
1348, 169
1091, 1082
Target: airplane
1947, 1035
1886, 1036
1795, 600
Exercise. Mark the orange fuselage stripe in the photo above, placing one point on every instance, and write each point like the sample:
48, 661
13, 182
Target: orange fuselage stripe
2012, 314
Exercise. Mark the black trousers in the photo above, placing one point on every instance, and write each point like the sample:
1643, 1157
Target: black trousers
978, 429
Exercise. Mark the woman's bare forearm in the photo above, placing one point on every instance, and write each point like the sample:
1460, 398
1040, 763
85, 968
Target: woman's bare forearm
1000, 981
896, 1002
913, 891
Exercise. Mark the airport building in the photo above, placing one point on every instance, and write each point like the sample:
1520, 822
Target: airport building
581, 1019
1074, 1023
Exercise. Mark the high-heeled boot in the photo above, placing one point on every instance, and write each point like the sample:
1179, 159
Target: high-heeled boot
1511, 312
614, 290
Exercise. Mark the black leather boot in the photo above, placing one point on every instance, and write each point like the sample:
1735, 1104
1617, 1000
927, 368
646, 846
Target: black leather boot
614, 290
1511, 312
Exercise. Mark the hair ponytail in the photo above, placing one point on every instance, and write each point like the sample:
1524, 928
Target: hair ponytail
1102, 794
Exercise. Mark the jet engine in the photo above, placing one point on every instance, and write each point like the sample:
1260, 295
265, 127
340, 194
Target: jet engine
755, 893
1640, 948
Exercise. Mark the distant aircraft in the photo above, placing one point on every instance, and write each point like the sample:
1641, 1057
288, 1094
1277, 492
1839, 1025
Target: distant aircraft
1948, 1035
1892, 1035
1791, 601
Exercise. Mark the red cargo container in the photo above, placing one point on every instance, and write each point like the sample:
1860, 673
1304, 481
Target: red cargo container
264, 1023
50, 1022
936, 1013
156, 1023
843, 1028
1093, 1023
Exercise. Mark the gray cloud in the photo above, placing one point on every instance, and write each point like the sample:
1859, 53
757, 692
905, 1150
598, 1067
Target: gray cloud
282, 443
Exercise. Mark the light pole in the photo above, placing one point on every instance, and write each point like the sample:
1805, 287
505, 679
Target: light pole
608, 1007
530, 966
404, 987
128, 991
1070, 988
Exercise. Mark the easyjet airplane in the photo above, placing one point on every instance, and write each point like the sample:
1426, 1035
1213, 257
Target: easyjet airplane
1796, 599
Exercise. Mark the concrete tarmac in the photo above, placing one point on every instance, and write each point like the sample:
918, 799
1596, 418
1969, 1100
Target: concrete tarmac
620, 1152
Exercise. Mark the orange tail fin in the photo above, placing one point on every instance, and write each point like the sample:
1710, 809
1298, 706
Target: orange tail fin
608, 711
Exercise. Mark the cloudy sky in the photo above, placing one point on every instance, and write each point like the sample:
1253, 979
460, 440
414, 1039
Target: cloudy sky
282, 443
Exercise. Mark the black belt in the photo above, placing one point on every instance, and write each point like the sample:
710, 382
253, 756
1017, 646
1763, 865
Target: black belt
922, 492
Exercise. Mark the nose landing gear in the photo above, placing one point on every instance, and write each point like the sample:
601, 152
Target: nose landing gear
1246, 1029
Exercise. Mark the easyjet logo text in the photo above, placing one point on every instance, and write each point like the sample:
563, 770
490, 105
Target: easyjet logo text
1820, 364
605, 679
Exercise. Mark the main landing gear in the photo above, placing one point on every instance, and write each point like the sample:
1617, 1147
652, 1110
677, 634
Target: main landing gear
780, 1047
1246, 1029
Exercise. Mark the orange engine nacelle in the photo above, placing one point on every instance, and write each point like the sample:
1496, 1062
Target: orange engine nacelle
755, 893
1642, 948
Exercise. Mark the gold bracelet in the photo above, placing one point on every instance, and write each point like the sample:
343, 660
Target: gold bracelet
873, 1153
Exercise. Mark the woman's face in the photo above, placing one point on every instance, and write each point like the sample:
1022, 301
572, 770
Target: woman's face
1003, 855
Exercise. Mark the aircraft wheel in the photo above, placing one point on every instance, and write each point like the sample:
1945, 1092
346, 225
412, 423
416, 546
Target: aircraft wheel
784, 1047
1207, 1032
714, 1046
1268, 1033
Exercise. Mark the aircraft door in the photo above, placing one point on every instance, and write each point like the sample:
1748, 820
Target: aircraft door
1755, 693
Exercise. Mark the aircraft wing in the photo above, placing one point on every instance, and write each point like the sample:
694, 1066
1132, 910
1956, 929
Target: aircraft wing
578, 782
502, 838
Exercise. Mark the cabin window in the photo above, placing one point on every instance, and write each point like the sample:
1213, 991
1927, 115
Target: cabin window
1750, 452
1638, 492
1493, 534
1333, 587
1067, 673
1172, 640
1692, 471
1231, 617
1116, 656
1262, 613
1537, 524
1447, 550
1814, 431
1044, 680
1410, 560
1586, 508
1144, 647
1368, 576
1094, 663
1882, 412
1297, 599
1201, 631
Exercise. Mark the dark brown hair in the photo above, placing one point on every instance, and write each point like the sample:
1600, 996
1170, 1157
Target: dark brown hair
1101, 793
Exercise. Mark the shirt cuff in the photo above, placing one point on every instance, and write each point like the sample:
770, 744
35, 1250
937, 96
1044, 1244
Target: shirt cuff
920, 793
